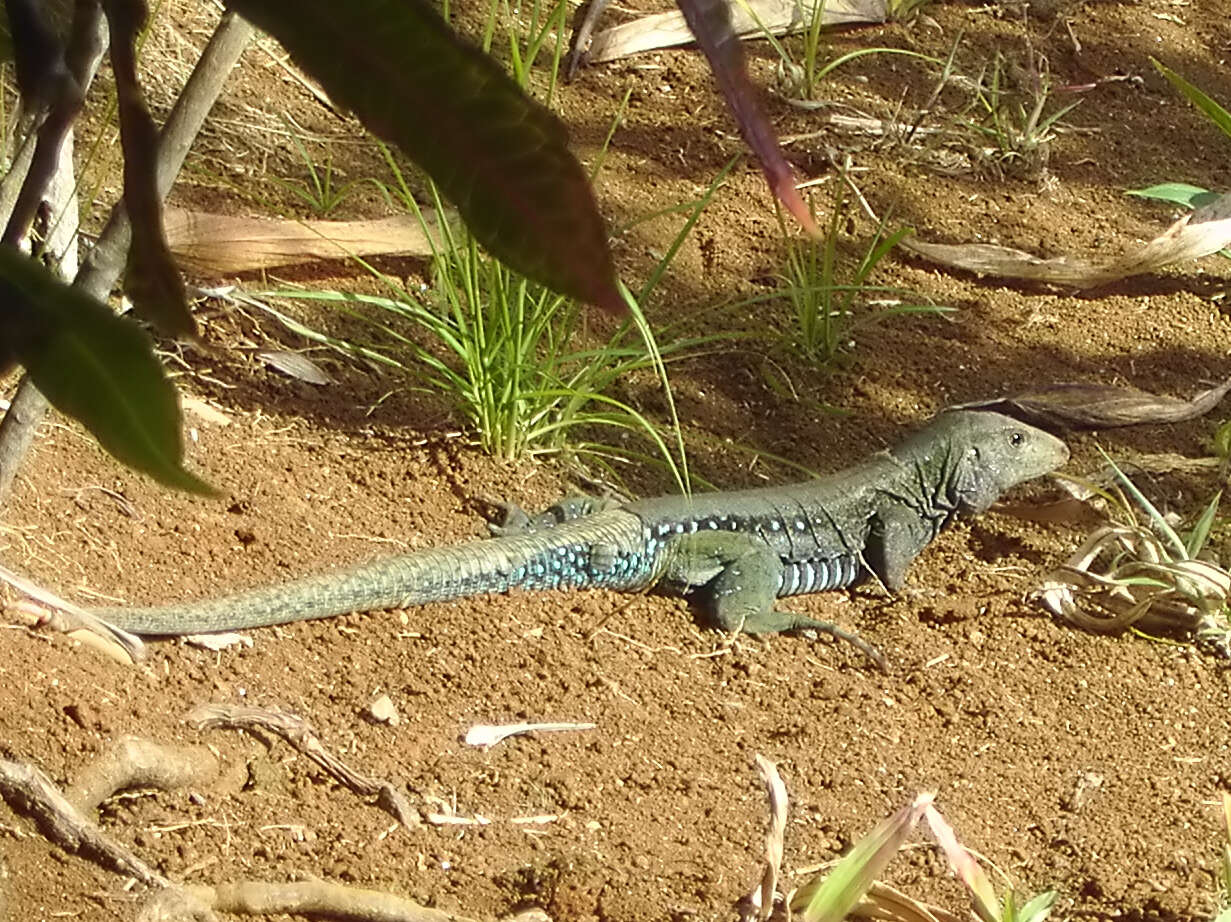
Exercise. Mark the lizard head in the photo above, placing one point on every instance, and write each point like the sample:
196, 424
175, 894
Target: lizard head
977, 455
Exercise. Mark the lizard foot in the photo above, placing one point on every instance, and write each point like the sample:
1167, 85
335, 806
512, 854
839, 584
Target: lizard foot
512, 520
778, 621
825, 627
516, 521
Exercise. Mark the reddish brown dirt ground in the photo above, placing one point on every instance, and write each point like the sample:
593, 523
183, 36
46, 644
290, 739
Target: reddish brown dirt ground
1085, 763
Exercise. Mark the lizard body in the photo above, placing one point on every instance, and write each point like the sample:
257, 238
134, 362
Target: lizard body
738, 550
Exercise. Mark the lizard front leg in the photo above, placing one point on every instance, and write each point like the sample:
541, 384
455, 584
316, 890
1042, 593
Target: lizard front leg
897, 536
739, 578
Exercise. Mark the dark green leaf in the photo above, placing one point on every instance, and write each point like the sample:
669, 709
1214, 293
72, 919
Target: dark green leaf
498, 155
96, 367
153, 280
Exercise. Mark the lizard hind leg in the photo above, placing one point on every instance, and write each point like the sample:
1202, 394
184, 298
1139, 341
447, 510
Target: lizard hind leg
516, 521
742, 597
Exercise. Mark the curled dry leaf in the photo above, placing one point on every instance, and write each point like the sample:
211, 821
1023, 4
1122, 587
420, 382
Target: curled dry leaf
778, 17
1098, 406
1204, 231
1124, 577
761, 899
485, 735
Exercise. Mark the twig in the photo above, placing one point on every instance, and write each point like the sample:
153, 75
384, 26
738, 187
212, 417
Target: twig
84, 51
299, 733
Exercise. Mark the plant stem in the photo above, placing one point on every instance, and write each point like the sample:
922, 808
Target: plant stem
85, 49
106, 261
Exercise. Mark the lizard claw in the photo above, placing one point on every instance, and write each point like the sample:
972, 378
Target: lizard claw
825, 627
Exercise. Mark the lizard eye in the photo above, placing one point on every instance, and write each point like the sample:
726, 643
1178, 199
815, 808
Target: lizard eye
1016, 439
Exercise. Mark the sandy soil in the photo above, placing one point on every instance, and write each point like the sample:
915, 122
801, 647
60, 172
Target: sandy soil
1085, 763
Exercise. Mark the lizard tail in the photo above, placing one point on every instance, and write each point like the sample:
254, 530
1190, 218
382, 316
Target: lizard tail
599, 550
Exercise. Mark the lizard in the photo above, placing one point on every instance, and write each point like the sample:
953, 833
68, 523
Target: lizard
737, 551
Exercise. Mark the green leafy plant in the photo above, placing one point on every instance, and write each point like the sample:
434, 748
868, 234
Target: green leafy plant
320, 190
831, 897
803, 80
1144, 575
545, 26
1013, 114
513, 358
830, 303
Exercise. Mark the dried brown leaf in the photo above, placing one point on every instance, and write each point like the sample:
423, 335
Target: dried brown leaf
756, 17
1201, 233
220, 245
1098, 406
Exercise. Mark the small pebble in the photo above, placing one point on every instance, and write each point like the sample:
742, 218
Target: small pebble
382, 711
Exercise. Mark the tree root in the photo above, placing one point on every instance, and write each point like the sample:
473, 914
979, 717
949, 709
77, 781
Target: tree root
28, 790
299, 733
64, 818
312, 897
133, 763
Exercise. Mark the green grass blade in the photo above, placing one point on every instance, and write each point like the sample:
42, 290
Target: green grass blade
1156, 518
1201, 529
679, 469
860, 52
1206, 105
695, 215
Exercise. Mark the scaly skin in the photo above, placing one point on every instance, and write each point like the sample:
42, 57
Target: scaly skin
739, 550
